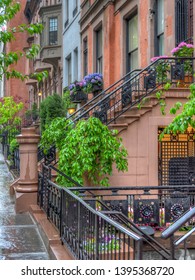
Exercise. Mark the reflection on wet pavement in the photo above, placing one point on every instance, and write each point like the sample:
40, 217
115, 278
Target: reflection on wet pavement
19, 236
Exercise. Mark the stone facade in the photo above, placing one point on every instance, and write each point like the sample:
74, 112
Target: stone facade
49, 13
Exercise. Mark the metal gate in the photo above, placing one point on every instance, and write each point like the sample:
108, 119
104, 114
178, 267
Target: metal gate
177, 159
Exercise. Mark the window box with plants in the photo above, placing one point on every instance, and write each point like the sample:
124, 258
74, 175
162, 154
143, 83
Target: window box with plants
94, 83
77, 93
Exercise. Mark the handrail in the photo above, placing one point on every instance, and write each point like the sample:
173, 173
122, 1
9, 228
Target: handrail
147, 238
139, 91
184, 237
101, 93
64, 175
67, 177
117, 188
178, 223
133, 235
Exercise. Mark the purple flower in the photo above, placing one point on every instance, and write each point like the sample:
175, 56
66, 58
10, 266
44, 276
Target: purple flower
158, 57
182, 44
175, 50
190, 46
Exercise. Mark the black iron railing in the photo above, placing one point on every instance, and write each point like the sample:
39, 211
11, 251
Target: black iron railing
135, 86
16, 160
89, 234
6, 138
152, 206
75, 213
48, 156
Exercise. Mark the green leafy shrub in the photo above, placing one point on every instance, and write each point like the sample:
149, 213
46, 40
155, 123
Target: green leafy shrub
51, 108
90, 149
55, 133
13, 145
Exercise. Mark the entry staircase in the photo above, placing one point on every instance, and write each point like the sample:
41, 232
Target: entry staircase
125, 101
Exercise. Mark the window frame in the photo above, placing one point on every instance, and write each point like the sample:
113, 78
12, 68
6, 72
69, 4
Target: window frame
85, 56
99, 57
53, 32
159, 35
129, 53
183, 21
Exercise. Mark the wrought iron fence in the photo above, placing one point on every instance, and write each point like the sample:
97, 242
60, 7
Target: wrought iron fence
152, 206
135, 86
16, 160
89, 234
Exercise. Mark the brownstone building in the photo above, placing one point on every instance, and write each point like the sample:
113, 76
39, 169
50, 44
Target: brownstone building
123, 35
119, 36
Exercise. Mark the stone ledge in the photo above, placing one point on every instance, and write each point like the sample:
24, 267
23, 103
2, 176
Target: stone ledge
50, 235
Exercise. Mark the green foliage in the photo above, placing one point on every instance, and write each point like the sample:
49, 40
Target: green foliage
33, 113
13, 145
91, 149
66, 100
9, 110
186, 118
51, 108
8, 9
55, 133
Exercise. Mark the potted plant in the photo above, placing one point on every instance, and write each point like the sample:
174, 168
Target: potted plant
162, 67
183, 65
77, 93
93, 83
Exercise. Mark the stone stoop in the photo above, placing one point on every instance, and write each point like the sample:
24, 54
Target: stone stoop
134, 113
50, 235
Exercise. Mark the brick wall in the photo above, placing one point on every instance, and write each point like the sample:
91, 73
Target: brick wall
15, 87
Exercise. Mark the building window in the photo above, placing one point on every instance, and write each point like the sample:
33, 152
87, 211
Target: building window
99, 51
76, 64
66, 13
132, 43
75, 7
85, 56
183, 21
159, 44
53, 31
69, 69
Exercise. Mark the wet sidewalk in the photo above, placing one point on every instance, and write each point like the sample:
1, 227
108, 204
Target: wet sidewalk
19, 235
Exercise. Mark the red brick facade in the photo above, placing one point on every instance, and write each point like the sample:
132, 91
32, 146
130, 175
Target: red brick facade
112, 16
16, 87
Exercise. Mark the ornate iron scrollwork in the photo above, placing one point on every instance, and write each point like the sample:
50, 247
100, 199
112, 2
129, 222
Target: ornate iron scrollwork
146, 211
175, 207
126, 95
118, 205
150, 79
177, 71
102, 115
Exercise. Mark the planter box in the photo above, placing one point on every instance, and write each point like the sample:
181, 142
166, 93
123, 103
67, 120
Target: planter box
96, 90
78, 97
